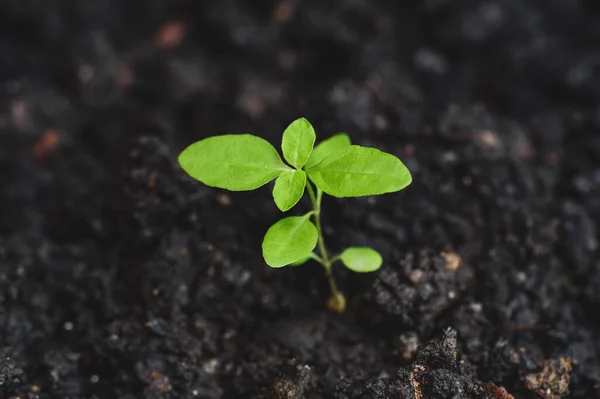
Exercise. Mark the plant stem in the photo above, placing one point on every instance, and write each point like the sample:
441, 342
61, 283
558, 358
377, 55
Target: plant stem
316, 200
316, 257
337, 301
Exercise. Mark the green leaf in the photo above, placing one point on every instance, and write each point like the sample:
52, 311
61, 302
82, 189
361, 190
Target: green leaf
361, 259
326, 147
236, 162
358, 171
297, 143
289, 240
289, 188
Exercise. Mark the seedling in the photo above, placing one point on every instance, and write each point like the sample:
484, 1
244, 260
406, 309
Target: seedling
242, 162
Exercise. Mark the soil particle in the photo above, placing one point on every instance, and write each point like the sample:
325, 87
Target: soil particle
552, 382
47, 143
491, 391
407, 344
291, 383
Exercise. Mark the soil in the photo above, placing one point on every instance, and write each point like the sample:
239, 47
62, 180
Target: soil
121, 277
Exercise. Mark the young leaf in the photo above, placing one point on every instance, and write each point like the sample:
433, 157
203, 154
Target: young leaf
358, 171
289, 240
326, 147
297, 143
236, 162
361, 259
289, 188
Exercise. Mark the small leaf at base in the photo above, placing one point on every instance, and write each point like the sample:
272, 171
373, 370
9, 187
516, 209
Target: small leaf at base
289, 240
361, 259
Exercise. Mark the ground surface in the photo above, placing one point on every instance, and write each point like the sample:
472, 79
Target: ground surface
120, 277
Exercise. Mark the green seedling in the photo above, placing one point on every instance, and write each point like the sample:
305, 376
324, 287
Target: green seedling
242, 162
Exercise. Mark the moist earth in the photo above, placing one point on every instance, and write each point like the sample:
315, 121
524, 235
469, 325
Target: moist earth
121, 277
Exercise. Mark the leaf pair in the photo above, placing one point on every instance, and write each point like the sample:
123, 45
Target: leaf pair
357, 259
297, 144
292, 240
241, 162
336, 167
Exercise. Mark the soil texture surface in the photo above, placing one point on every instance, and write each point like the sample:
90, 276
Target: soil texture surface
121, 277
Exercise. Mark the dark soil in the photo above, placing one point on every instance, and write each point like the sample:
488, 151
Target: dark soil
121, 277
